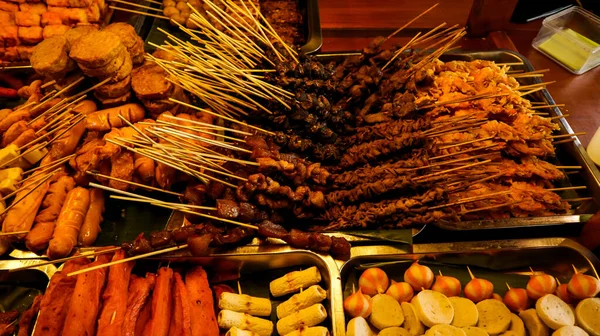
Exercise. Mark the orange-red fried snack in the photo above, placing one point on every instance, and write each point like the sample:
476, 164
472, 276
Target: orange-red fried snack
139, 293
114, 298
204, 321
181, 321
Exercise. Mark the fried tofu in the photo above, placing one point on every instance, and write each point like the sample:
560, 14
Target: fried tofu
27, 19
10, 35
70, 15
36, 8
7, 19
6, 6
58, 3
51, 18
53, 30
25, 51
50, 57
79, 3
30, 35
97, 49
74, 34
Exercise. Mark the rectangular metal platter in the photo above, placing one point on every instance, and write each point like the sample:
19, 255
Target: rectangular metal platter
311, 28
18, 289
571, 154
256, 270
500, 262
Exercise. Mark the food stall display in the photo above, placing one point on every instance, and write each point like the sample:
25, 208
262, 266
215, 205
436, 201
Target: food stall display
248, 140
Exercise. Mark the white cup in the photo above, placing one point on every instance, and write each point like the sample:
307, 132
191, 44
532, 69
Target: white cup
593, 148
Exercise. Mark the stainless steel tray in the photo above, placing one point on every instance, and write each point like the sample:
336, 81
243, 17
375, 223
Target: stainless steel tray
571, 154
256, 269
499, 261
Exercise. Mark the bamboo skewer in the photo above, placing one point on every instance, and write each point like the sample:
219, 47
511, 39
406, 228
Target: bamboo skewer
137, 5
546, 106
563, 141
141, 256
462, 100
176, 206
140, 13
16, 201
566, 135
409, 23
23, 186
568, 188
581, 199
3, 234
93, 173
86, 254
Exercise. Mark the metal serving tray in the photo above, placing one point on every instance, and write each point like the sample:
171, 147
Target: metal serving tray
311, 28
568, 154
18, 289
499, 261
255, 270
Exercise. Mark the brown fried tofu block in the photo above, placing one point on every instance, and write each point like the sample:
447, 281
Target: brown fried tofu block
58, 3
53, 30
114, 90
36, 8
6, 6
2, 52
27, 19
30, 35
10, 35
79, 3
25, 51
7, 19
51, 18
97, 49
70, 15
50, 57
74, 34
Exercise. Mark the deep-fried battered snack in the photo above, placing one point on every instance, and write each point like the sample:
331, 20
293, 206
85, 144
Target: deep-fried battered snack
50, 57
27, 19
97, 49
30, 35
109, 69
113, 90
112, 102
25, 51
124, 70
36, 8
53, 30
74, 34
149, 82
9, 34
51, 18
8, 6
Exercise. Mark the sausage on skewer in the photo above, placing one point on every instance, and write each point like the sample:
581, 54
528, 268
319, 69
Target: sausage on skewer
69, 223
91, 225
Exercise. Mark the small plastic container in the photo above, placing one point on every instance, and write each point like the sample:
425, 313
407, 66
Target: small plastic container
572, 39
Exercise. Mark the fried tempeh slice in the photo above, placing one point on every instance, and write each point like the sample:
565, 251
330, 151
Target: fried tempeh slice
55, 303
181, 319
85, 301
204, 322
115, 297
162, 304
139, 293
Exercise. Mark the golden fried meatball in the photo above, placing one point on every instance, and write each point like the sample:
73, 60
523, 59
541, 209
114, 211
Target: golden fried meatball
170, 11
181, 5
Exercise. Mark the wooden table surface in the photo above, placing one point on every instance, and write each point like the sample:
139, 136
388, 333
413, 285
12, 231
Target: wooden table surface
349, 25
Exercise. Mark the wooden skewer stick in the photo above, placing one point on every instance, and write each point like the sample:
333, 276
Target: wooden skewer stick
527, 75
532, 91
559, 117
45, 85
568, 188
527, 87
32, 178
581, 199
470, 199
12, 233
563, 141
451, 170
462, 100
176, 206
566, 135
399, 52
409, 23
16, 201
567, 167
509, 64
139, 12
86, 254
465, 142
487, 208
137, 5
463, 152
49, 165
95, 173
141, 256
250, 226
546, 106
